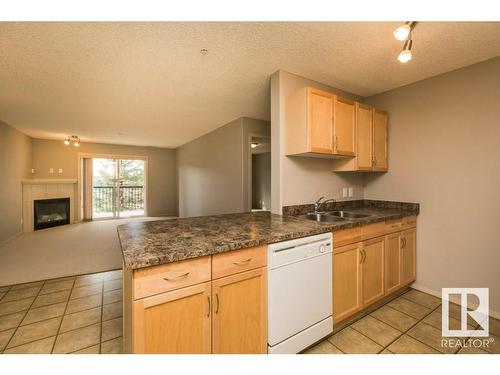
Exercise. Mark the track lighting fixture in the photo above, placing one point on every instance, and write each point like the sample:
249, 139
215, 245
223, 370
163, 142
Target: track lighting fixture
403, 33
74, 139
405, 54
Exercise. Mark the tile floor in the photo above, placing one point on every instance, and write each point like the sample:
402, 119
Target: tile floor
83, 314
77, 314
409, 324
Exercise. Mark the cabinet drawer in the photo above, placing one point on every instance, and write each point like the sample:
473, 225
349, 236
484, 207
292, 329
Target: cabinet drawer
409, 222
346, 236
393, 226
166, 277
373, 230
232, 262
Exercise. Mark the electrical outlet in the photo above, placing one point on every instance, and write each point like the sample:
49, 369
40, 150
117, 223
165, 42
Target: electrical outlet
344, 192
60, 170
32, 170
51, 170
351, 192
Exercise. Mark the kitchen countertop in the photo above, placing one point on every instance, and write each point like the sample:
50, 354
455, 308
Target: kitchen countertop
151, 243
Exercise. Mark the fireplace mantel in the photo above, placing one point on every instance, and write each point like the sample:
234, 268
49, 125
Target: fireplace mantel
46, 189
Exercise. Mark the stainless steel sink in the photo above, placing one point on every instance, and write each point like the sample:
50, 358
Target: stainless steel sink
321, 217
346, 215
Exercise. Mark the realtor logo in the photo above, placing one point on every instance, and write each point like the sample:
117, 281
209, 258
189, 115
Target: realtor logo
479, 314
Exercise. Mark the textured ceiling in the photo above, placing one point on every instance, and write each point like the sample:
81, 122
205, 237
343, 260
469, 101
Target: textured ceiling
148, 83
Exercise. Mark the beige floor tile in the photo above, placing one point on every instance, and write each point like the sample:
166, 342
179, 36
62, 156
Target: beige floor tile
113, 296
394, 318
27, 285
111, 329
423, 299
410, 308
386, 351
57, 286
324, 347
65, 278
494, 326
4, 289
113, 275
35, 331
85, 291
84, 280
77, 339
430, 336
15, 306
43, 346
11, 320
407, 345
90, 350
2, 294
44, 313
472, 351
434, 319
455, 312
51, 298
350, 341
114, 346
494, 345
112, 310
17, 294
5, 337
383, 334
84, 303
112, 285
80, 319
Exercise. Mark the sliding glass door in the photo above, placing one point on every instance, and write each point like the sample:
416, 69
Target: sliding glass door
117, 188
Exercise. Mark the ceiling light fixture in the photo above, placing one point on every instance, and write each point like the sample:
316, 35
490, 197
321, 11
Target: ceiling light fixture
405, 54
254, 144
74, 139
204, 51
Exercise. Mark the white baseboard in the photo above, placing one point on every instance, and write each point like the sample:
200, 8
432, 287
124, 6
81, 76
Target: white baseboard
417, 286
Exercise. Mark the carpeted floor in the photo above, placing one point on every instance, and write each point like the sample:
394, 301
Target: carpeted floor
74, 249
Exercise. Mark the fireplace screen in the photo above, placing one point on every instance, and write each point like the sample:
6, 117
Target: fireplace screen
51, 212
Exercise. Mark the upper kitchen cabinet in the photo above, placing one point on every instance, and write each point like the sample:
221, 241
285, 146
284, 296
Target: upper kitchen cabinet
319, 124
371, 142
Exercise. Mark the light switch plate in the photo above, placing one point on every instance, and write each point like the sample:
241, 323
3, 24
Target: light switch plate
344, 192
60, 170
351, 192
51, 170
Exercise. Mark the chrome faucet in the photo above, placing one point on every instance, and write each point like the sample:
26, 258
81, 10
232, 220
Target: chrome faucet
320, 202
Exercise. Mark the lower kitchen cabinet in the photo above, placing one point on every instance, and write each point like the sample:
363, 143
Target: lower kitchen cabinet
372, 270
408, 256
392, 260
346, 281
239, 313
176, 322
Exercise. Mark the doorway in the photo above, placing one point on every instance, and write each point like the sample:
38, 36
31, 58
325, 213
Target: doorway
260, 176
117, 188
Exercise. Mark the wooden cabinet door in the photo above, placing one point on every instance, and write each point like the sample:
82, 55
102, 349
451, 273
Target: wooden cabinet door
364, 135
239, 310
392, 260
344, 127
319, 121
176, 322
379, 140
408, 256
372, 270
346, 281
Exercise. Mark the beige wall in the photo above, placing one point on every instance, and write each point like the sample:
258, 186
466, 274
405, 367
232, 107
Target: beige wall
162, 174
212, 169
444, 152
15, 165
299, 180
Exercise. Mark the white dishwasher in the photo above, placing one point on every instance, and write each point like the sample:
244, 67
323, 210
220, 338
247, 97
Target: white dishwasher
300, 304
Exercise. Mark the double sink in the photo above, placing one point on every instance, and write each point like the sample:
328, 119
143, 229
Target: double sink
334, 216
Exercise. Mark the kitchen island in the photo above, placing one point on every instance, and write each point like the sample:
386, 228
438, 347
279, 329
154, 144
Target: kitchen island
198, 285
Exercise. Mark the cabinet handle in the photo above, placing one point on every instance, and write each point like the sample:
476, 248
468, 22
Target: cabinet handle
217, 304
209, 306
242, 262
404, 239
364, 252
402, 243
184, 275
363, 256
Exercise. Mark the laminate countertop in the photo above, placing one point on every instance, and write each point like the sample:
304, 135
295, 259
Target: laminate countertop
150, 243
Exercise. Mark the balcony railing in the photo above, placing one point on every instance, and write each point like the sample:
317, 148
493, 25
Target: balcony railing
130, 198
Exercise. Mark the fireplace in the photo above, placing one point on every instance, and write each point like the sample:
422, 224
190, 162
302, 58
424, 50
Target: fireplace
51, 212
